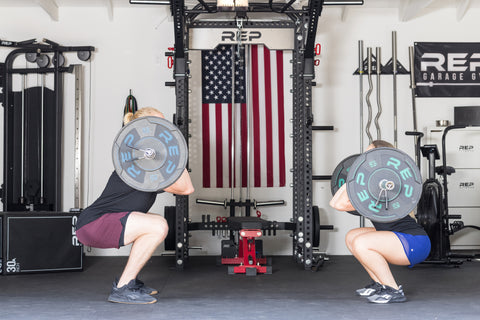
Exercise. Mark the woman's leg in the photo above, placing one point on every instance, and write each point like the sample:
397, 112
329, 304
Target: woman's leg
352, 234
375, 250
349, 240
146, 231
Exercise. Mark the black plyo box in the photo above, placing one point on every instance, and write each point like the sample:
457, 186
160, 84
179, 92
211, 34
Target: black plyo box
468, 116
34, 242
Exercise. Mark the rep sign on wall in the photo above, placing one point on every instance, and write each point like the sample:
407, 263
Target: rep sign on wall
447, 69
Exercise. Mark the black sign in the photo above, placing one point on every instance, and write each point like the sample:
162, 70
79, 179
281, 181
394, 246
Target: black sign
447, 69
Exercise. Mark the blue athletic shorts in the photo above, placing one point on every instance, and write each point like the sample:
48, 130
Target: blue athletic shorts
417, 248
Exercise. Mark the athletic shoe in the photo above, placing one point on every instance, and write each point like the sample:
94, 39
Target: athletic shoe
130, 294
388, 295
369, 290
141, 286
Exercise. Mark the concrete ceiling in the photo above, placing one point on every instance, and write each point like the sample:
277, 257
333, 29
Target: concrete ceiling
407, 9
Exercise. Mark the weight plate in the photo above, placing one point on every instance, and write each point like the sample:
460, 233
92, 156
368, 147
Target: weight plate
31, 56
384, 184
429, 208
150, 154
339, 176
43, 60
83, 55
170, 216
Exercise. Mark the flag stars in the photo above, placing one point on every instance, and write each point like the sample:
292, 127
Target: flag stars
217, 76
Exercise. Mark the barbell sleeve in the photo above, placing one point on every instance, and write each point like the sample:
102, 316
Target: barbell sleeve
268, 203
212, 202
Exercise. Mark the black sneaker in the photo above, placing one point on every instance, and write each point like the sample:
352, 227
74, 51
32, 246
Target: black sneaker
130, 294
141, 286
388, 295
369, 290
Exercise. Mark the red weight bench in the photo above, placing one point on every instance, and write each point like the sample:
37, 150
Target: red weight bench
249, 258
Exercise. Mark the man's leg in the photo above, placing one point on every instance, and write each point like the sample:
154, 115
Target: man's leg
146, 231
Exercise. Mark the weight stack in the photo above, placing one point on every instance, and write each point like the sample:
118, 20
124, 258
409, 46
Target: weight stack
34, 242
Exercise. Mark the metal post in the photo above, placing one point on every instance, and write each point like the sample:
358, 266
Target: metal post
369, 93
379, 104
42, 106
247, 95
414, 108
22, 138
232, 148
394, 61
413, 86
78, 136
360, 73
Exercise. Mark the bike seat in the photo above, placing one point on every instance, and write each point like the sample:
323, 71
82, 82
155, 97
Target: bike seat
428, 149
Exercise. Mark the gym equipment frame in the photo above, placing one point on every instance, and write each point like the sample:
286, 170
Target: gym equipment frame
303, 22
32, 135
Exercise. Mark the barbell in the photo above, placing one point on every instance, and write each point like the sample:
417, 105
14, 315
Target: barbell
383, 184
149, 154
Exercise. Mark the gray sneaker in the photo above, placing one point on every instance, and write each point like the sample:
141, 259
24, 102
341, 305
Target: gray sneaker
143, 288
369, 290
139, 285
129, 294
388, 295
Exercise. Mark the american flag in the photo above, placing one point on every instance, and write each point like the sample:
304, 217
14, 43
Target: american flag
266, 141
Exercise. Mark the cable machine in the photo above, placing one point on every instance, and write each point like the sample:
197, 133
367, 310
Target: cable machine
33, 125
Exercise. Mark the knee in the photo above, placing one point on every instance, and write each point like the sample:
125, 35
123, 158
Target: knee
360, 244
159, 227
349, 238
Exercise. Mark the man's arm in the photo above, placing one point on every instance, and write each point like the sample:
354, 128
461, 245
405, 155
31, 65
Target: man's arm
182, 186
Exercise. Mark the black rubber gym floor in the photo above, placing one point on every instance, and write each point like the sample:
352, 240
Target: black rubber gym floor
204, 290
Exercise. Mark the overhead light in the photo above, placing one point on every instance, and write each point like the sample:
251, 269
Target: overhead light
232, 5
149, 2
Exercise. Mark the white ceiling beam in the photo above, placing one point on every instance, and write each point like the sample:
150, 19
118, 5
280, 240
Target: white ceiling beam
109, 5
409, 9
462, 8
50, 7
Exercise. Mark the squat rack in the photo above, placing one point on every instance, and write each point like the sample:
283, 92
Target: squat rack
303, 21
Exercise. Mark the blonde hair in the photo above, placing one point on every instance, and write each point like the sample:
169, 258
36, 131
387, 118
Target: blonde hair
143, 112
382, 143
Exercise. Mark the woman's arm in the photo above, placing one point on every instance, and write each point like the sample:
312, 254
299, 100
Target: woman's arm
340, 200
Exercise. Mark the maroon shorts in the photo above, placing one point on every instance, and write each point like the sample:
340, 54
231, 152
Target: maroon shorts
105, 232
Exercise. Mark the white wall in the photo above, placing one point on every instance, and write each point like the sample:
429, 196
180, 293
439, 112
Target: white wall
130, 55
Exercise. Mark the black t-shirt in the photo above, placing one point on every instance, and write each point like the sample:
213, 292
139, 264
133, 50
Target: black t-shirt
116, 197
405, 225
